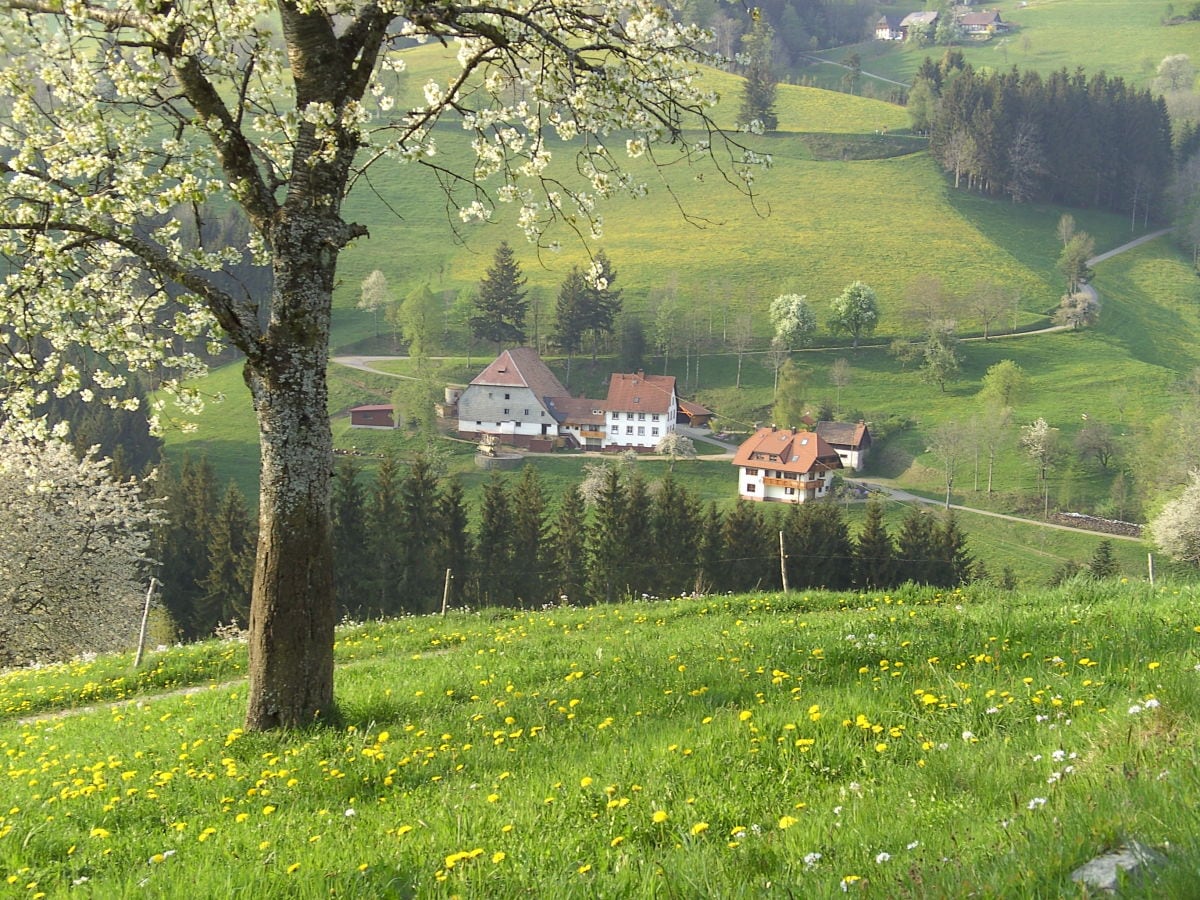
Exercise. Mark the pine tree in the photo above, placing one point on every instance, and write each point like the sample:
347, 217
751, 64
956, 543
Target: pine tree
189, 502
745, 541
567, 550
494, 545
1103, 563
638, 536
606, 545
713, 574
230, 577
916, 549
420, 582
571, 316
352, 562
874, 551
603, 302
385, 539
953, 563
530, 562
676, 531
758, 90
500, 302
818, 546
453, 540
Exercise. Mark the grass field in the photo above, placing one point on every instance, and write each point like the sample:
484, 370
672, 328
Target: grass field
778, 745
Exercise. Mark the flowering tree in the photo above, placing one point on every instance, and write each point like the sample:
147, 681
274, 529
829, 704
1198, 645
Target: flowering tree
795, 322
1176, 529
854, 311
121, 119
73, 544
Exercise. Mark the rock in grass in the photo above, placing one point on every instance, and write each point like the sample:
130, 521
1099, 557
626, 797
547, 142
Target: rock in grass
1106, 872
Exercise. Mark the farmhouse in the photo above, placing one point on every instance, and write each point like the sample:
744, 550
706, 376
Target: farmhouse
784, 465
981, 23
640, 410
888, 28
921, 19
850, 440
511, 399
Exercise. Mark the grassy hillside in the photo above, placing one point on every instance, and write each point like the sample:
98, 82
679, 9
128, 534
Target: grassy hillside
1120, 37
790, 745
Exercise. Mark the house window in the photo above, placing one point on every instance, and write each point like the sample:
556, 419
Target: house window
654, 418
642, 430
629, 416
477, 422
507, 397
752, 471
629, 429
489, 395
789, 491
506, 410
750, 489
526, 412
653, 432
641, 417
616, 429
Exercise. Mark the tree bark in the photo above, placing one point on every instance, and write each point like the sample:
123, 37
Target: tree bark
293, 610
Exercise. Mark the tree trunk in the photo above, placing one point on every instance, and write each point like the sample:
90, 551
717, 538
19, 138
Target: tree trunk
293, 610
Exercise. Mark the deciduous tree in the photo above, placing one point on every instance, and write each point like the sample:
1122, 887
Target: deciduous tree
264, 106
1176, 528
854, 312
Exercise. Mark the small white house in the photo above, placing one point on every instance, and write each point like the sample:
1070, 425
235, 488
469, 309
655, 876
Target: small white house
785, 466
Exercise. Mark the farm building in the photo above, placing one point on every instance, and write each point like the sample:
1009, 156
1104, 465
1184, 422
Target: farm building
784, 465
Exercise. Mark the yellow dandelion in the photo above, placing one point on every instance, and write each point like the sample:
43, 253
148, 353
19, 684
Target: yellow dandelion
267, 810
1152, 666
744, 715
585, 781
100, 833
293, 868
660, 816
498, 857
492, 798
616, 842
584, 869
787, 821
699, 828
881, 747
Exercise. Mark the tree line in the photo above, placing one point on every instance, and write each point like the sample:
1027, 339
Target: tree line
1066, 138
614, 536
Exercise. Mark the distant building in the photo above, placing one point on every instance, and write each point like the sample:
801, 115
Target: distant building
784, 465
640, 410
851, 440
378, 416
888, 28
511, 399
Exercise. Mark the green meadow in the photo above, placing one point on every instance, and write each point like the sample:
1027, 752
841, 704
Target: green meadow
910, 744
1123, 38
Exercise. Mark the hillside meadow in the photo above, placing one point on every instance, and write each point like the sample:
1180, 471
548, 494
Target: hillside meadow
1123, 38
908, 744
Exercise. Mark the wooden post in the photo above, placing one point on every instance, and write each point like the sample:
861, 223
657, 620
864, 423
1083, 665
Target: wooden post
446, 592
141, 648
1150, 567
782, 563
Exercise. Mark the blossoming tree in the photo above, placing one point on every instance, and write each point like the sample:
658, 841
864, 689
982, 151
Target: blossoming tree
120, 119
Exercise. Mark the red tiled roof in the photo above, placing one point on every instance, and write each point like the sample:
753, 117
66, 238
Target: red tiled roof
521, 367
377, 407
694, 409
640, 392
787, 451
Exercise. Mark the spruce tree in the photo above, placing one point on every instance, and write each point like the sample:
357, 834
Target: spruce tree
638, 535
352, 559
916, 548
530, 564
567, 550
758, 90
603, 301
500, 302
231, 549
606, 545
818, 546
420, 581
385, 537
953, 563
746, 550
494, 543
189, 502
571, 316
676, 530
453, 540
874, 551
713, 576
1103, 563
